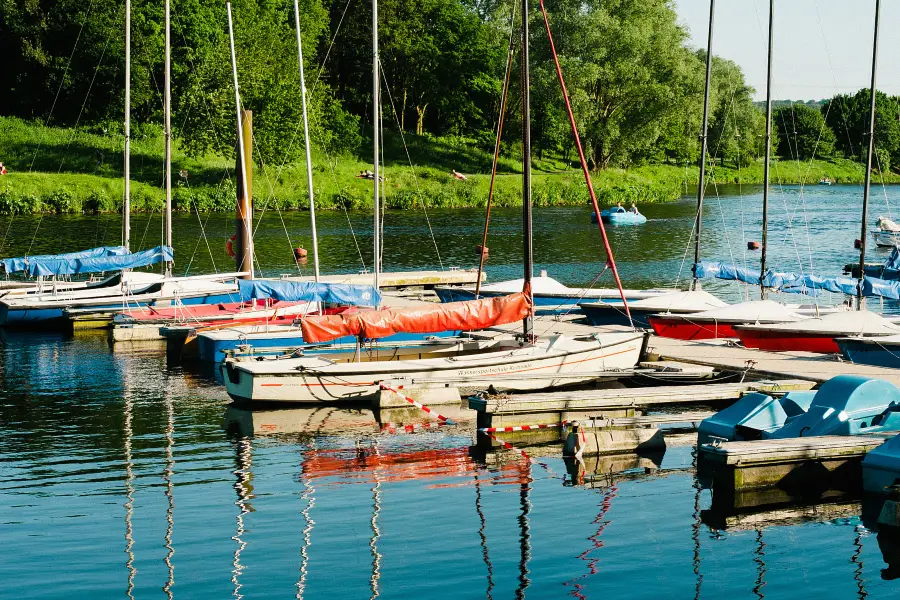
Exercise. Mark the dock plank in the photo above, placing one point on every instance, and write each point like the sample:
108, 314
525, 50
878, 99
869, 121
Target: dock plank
400, 279
629, 398
796, 365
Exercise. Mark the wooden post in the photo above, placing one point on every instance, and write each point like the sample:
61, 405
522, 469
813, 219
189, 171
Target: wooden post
243, 255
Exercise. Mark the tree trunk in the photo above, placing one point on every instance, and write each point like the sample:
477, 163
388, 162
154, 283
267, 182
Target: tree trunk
420, 123
403, 113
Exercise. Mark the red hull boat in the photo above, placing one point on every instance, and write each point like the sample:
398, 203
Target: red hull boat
720, 322
271, 311
816, 334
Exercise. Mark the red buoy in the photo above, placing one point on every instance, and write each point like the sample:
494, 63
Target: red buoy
482, 249
752, 245
300, 253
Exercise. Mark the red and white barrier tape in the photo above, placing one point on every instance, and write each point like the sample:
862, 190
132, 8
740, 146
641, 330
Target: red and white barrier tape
521, 427
419, 405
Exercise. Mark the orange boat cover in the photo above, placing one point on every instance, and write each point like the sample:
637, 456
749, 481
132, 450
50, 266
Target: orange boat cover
453, 316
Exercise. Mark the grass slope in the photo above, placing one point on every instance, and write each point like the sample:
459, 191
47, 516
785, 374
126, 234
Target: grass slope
69, 170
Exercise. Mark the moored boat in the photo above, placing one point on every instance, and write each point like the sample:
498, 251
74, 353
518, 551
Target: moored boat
816, 334
719, 322
547, 292
877, 351
686, 302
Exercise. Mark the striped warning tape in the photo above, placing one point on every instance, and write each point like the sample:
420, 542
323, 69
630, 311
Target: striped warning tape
521, 427
419, 405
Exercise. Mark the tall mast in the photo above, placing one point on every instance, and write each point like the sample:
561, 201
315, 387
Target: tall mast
528, 324
701, 189
765, 203
309, 179
860, 302
167, 108
126, 205
244, 191
376, 114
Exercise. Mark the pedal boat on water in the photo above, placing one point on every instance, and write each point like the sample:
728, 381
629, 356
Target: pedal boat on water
616, 215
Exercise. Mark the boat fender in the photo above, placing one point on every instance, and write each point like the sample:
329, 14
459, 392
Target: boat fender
857, 244
753, 246
229, 245
300, 253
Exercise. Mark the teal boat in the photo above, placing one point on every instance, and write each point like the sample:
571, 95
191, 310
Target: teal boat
616, 215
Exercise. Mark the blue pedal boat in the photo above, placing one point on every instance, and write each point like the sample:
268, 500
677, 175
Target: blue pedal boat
616, 215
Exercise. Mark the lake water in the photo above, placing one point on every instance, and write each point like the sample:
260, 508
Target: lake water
121, 477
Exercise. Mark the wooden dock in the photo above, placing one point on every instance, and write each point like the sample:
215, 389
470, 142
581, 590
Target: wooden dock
828, 462
403, 279
555, 407
797, 365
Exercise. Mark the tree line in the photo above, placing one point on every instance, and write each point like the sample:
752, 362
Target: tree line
635, 83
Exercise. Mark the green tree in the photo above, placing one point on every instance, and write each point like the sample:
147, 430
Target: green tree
802, 132
848, 117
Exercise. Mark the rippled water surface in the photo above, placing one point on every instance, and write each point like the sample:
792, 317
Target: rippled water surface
120, 477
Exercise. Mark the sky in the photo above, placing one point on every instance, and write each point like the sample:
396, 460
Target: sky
821, 48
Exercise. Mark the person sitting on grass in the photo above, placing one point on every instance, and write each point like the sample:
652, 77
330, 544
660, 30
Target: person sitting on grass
2, 169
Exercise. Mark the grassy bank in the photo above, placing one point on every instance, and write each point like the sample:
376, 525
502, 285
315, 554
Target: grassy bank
69, 171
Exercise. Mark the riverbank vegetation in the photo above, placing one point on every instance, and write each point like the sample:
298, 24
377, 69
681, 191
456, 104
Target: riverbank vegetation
636, 88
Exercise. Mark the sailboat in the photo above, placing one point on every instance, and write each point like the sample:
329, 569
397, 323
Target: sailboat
45, 307
817, 334
523, 363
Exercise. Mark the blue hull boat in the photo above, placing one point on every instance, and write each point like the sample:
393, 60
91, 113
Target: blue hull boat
874, 351
844, 405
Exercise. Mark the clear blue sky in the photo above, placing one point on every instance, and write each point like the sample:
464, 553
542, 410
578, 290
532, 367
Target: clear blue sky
822, 47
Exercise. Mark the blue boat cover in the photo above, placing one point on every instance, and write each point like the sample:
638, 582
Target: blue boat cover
14, 265
792, 283
95, 264
308, 291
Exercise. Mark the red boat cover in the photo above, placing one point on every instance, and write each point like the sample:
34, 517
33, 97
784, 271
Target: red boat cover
453, 316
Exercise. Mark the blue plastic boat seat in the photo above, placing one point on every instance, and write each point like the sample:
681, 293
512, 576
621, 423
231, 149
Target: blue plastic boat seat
755, 416
844, 405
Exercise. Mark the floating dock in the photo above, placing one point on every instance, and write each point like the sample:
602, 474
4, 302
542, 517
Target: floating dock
725, 354
802, 465
556, 407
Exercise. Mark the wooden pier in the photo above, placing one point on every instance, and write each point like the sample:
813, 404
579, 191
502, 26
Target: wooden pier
555, 407
828, 462
723, 354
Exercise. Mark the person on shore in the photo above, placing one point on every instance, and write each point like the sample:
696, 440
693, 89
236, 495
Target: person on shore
2, 169
458, 175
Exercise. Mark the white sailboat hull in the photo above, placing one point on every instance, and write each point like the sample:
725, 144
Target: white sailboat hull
504, 364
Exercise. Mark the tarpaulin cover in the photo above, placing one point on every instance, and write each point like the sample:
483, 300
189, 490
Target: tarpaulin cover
308, 291
792, 283
96, 264
14, 265
453, 316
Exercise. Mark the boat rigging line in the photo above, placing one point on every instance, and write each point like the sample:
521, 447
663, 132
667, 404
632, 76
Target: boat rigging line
412, 167
500, 118
610, 259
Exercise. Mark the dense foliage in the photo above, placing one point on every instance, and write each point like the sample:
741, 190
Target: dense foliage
636, 86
